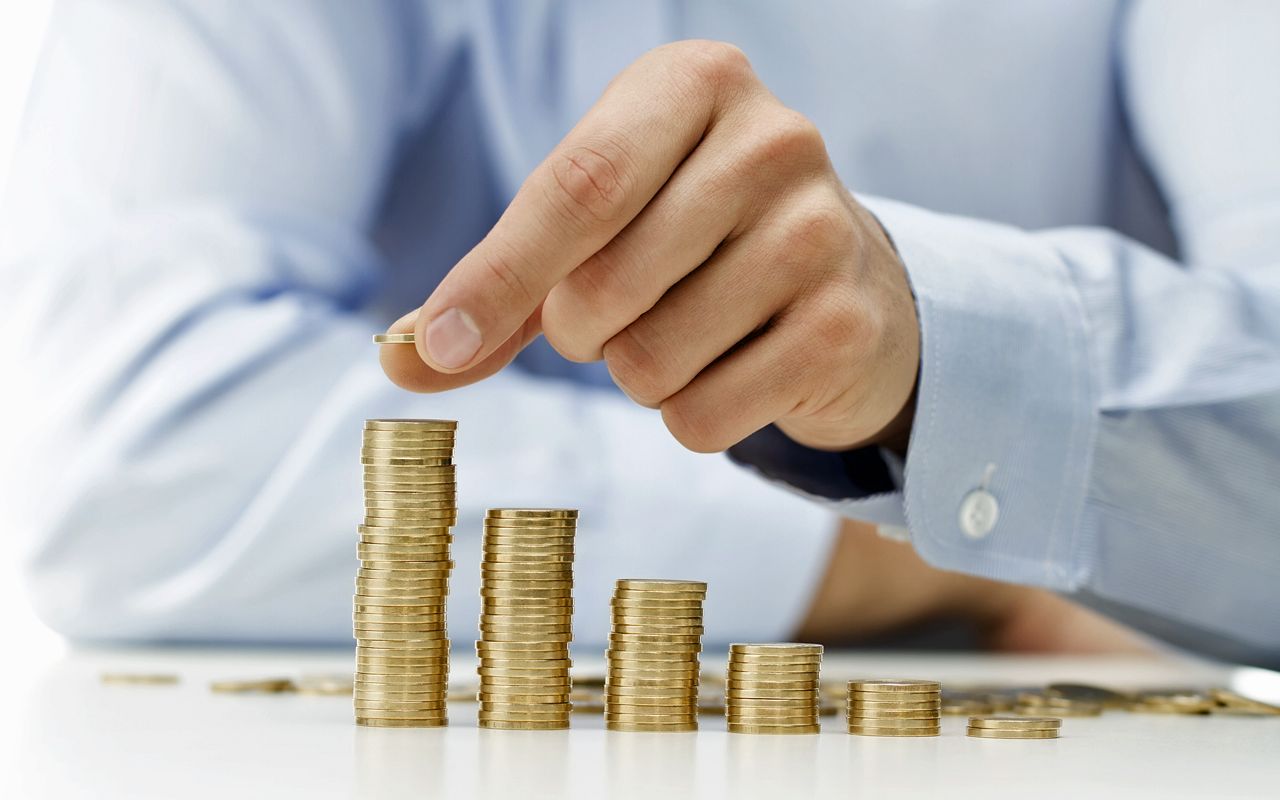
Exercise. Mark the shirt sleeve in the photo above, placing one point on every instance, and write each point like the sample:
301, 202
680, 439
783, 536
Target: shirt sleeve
1095, 417
186, 272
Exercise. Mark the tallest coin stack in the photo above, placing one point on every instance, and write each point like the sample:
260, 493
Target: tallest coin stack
402, 648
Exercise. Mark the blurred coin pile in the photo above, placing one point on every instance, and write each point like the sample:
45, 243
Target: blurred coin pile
652, 674
402, 650
526, 588
1014, 727
895, 708
773, 688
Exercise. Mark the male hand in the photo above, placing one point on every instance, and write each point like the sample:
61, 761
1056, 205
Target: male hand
691, 231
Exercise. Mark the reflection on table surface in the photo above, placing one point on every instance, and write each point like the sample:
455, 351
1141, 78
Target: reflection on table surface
83, 738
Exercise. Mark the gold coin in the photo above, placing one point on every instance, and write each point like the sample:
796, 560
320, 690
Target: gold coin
753, 684
402, 539
503, 602
443, 490
688, 699
529, 548
524, 686
523, 636
644, 584
510, 530
1237, 701
424, 675
139, 679
424, 450
264, 685
776, 694
410, 424
389, 649
655, 638
643, 727
896, 721
437, 721
484, 648
787, 648
378, 552
864, 730
628, 656
905, 707
672, 648
530, 559
536, 660
752, 661
522, 698
393, 338
412, 569
686, 677
408, 436
683, 718
396, 613
532, 513
525, 726
393, 582
995, 733
401, 595
683, 630
368, 714
773, 729
433, 516
1091, 710
1015, 723
382, 461
631, 594
615, 690
524, 593
906, 686
441, 531
425, 660
529, 583
509, 623
532, 674
515, 716
622, 681
507, 705
392, 701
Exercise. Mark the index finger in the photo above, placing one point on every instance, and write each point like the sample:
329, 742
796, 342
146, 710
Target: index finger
591, 185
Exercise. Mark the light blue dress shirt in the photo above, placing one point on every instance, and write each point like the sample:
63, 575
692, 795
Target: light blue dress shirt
215, 203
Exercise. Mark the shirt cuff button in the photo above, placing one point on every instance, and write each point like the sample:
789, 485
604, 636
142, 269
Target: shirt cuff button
979, 512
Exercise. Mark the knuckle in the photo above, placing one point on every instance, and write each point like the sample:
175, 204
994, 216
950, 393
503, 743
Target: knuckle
820, 228
693, 426
635, 367
714, 64
590, 183
836, 326
787, 139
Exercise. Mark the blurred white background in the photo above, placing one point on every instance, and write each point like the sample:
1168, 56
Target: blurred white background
28, 644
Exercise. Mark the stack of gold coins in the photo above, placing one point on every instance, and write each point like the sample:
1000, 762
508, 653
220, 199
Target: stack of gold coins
402, 650
1014, 727
526, 586
773, 688
895, 708
652, 675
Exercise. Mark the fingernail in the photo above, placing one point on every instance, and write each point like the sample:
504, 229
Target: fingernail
453, 339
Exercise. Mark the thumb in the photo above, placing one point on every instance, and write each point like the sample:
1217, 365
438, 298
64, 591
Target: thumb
406, 367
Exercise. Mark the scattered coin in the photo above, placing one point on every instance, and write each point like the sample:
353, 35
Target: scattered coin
259, 685
139, 679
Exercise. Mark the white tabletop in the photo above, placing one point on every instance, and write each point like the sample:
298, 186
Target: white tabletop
80, 738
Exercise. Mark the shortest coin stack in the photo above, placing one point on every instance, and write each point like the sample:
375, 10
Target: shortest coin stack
773, 688
895, 708
1014, 727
